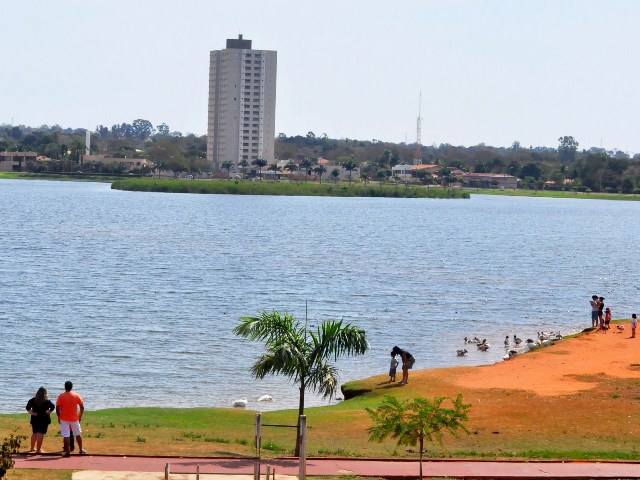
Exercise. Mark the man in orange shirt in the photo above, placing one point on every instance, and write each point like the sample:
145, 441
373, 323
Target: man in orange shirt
69, 417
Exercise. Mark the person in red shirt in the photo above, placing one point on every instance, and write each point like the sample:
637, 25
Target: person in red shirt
70, 408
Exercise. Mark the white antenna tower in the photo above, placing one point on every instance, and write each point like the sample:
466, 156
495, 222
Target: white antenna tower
417, 158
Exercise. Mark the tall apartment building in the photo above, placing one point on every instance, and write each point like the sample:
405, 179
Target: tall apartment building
242, 103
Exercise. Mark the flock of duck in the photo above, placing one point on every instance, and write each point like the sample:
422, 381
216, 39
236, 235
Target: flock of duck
512, 346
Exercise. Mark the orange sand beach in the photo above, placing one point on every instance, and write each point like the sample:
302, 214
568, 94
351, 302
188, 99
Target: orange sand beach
558, 370
580, 394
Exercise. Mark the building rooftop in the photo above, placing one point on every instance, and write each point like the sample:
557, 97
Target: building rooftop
239, 43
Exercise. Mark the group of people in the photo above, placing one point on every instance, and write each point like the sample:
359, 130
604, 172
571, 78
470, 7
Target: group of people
69, 409
600, 316
407, 363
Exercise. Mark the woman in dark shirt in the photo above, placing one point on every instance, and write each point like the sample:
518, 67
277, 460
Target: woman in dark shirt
407, 362
40, 408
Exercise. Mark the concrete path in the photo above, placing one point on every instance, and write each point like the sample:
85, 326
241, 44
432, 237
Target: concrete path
98, 464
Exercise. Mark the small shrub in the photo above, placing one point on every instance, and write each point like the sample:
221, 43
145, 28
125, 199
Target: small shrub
242, 441
10, 446
193, 436
141, 439
274, 447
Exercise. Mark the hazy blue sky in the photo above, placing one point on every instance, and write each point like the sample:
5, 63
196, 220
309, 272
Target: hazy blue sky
489, 71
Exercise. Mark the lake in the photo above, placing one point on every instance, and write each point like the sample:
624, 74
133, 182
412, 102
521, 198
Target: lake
133, 296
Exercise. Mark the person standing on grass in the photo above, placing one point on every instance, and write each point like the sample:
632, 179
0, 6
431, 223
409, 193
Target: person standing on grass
70, 408
634, 324
594, 310
40, 409
392, 368
407, 363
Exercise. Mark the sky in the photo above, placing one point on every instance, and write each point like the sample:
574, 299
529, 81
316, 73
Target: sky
488, 71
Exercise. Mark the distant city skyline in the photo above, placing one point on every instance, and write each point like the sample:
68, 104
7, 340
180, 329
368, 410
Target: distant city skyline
490, 71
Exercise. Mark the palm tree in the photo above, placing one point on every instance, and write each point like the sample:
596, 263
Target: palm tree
350, 165
243, 164
259, 162
319, 170
291, 167
303, 356
227, 166
306, 164
275, 168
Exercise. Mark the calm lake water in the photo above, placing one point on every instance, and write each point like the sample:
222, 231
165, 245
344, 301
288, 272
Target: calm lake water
134, 296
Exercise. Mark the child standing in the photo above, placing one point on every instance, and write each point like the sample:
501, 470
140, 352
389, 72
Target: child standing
634, 324
392, 368
607, 319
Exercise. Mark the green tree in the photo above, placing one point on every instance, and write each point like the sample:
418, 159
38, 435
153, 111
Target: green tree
319, 170
567, 147
260, 163
142, 129
306, 164
385, 159
335, 173
350, 165
304, 356
414, 421
227, 166
291, 167
243, 164
275, 169
382, 175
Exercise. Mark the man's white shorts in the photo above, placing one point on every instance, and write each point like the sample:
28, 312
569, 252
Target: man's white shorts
67, 427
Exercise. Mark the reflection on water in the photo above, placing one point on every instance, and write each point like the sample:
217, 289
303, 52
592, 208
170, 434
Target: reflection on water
134, 296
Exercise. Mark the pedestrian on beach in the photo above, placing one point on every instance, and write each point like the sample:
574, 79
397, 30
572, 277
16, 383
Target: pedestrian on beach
594, 310
408, 361
600, 311
392, 368
607, 319
40, 408
634, 324
70, 408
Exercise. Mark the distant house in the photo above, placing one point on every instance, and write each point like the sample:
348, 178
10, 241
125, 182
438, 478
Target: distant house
490, 180
16, 161
406, 171
131, 163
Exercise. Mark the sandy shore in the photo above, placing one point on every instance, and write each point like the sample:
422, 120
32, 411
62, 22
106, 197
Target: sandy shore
557, 370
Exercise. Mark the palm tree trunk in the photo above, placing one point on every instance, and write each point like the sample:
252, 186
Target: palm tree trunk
300, 412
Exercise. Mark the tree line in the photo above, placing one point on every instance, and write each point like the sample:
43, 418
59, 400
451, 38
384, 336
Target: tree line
563, 167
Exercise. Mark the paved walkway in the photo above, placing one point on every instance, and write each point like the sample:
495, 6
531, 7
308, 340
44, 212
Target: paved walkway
289, 466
